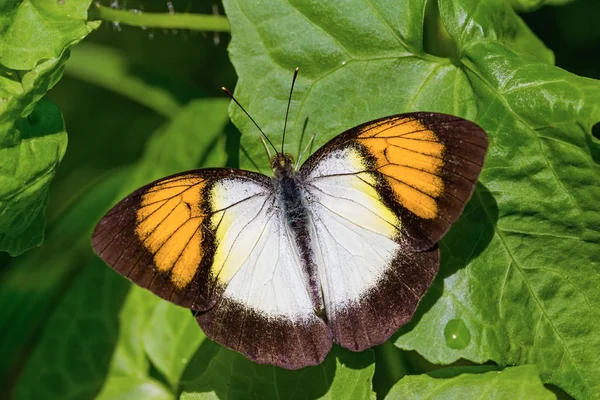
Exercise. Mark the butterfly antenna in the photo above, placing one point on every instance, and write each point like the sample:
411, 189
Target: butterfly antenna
251, 119
266, 147
288, 108
305, 149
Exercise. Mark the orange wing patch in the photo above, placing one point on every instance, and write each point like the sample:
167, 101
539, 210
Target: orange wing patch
410, 157
169, 224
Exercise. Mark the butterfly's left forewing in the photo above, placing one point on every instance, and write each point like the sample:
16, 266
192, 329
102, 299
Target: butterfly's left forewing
214, 241
163, 236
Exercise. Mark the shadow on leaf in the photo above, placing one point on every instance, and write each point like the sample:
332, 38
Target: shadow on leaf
593, 142
229, 374
232, 145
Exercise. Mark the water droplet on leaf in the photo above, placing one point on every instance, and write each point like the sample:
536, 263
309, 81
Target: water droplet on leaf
457, 335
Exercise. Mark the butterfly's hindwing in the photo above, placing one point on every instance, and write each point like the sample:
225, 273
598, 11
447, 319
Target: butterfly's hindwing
266, 310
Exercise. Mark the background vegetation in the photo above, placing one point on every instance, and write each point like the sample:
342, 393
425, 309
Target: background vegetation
514, 310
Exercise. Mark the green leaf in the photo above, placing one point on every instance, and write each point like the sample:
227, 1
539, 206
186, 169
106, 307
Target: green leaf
35, 282
127, 388
167, 333
171, 338
120, 353
34, 30
532, 5
217, 372
113, 70
34, 46
26, 170
467, 383
168, 151
543, 233
396, 74
526, 5
193, 139
129, 358
490, 21
73, 353
519, 276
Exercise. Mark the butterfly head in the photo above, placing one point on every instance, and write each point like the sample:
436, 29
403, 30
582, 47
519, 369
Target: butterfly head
282, 164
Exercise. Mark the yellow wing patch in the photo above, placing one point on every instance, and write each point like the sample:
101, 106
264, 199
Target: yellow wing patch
237, 228
169, 224
410, 157
225, 270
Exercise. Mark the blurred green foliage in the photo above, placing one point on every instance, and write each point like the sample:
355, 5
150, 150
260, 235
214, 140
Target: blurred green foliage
139, 104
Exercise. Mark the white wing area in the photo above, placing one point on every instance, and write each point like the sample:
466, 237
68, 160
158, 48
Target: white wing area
256, 255
352, 231
264, 309
271, 280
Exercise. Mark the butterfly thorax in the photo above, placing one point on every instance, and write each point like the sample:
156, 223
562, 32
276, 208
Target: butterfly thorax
288, 190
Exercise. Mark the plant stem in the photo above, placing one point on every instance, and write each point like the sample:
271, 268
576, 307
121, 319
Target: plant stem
198, 22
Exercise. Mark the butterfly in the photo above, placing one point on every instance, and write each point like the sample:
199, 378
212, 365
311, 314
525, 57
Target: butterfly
340, 250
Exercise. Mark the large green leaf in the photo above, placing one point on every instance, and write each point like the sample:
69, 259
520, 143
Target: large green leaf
36, 36
470, 383
113, 70
382, 44
192, 139
520, 273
